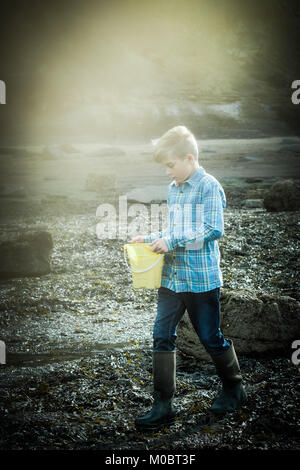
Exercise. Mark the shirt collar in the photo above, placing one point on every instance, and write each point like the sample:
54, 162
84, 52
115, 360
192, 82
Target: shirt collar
193, 179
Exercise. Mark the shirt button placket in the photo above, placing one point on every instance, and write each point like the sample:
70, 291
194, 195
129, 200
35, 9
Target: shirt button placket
175, 272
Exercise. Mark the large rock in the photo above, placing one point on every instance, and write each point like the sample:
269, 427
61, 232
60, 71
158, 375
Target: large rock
257, 323
26, 254
148, 194
282, 196
13, 191
101, 183
58, 152
52, 153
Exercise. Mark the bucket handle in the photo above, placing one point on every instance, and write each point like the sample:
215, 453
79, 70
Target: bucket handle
144, 270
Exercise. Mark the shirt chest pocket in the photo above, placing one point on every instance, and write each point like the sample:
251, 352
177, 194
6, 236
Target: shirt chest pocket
187, 221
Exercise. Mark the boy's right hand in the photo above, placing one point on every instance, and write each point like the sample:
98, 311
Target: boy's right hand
137, 239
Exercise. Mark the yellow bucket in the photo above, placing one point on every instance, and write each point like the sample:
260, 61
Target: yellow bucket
146, 266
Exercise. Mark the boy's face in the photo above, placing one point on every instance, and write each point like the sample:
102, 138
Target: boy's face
179, 169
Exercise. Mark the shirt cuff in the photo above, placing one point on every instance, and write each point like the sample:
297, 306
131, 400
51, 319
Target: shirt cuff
169, 243
147, 238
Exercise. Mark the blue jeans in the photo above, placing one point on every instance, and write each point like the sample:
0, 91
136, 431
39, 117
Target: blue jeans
204, 312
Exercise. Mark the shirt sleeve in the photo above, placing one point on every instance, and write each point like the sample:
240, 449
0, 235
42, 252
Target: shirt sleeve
208, 227
153, 236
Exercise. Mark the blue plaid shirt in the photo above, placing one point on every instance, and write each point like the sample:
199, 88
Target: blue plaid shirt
195, 223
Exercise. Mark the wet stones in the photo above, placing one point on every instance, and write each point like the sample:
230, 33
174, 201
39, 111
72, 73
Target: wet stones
25, 254
253, 204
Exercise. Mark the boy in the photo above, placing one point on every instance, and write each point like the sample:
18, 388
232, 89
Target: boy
191, 277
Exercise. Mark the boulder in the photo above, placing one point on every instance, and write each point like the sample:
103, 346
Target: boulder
52, 153
101, 183
293, 148
148, 194
58, 152
13, 191
26, 254
68, 148
256, 322
253, 179
282, 196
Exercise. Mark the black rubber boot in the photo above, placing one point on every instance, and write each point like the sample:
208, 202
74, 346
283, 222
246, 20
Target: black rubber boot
164, 379
233, 394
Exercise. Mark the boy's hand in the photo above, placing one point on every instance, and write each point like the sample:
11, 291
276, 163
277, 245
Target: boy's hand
159, 246
137, 239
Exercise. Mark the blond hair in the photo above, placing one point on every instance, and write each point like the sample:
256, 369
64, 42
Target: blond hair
175, 143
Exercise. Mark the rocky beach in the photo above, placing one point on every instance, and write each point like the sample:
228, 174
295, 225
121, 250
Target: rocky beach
85, 88
78, 336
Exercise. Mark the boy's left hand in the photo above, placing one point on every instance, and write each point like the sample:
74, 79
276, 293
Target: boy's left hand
159, 246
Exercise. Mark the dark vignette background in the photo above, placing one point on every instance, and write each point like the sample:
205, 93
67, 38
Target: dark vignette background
121, 72
108, 61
